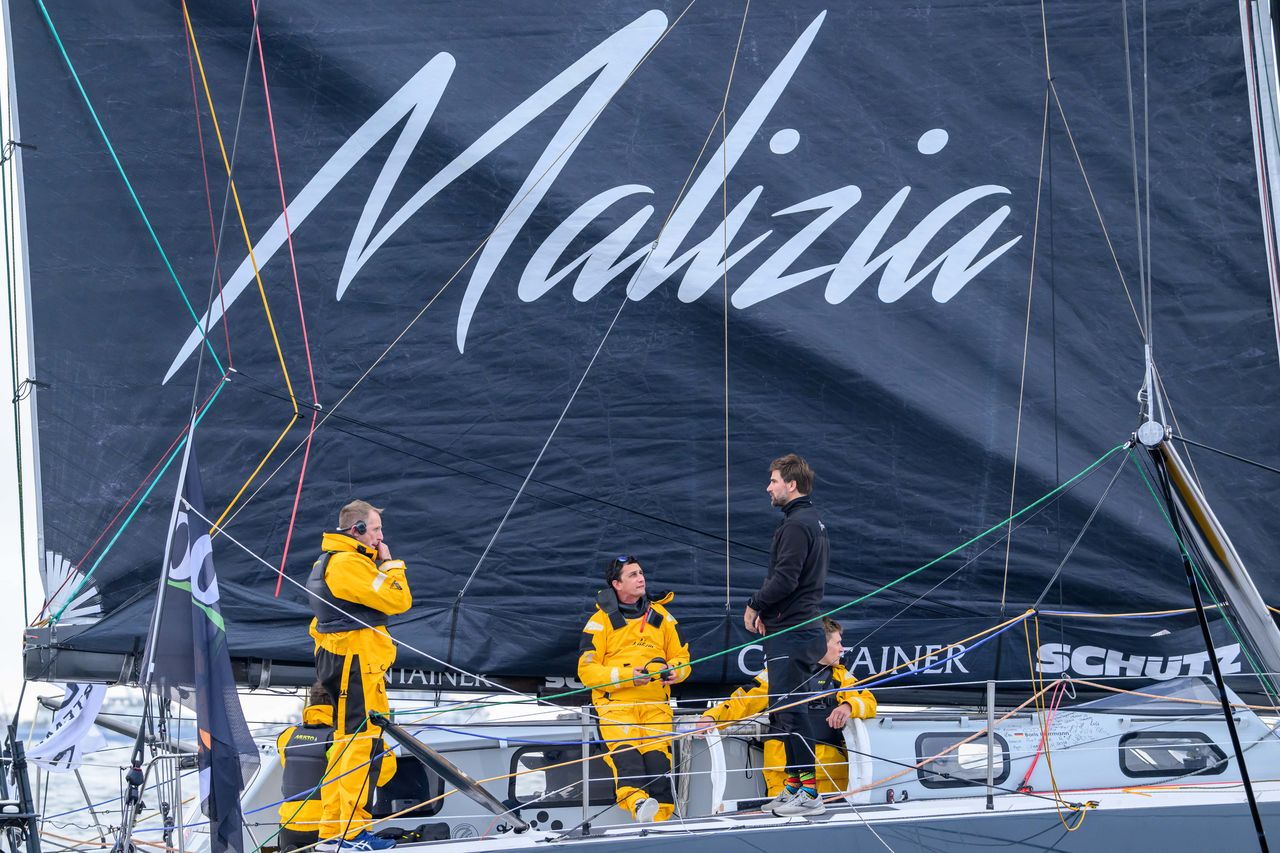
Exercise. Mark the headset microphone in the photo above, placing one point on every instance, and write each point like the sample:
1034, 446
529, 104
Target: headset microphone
359, 527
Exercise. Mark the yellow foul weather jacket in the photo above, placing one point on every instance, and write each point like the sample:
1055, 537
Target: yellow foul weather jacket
613, 646
352, 596
832, 769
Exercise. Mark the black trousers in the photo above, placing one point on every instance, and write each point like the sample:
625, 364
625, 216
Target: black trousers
292, 839
792, 659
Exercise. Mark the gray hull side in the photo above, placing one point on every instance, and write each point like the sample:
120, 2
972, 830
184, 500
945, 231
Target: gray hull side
1187, 829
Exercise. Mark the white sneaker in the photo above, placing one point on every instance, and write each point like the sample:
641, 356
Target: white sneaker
784, 796
647, 810
802, 803
329, 845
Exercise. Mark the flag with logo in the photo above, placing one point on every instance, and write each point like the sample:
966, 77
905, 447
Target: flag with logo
188, 660
72, 734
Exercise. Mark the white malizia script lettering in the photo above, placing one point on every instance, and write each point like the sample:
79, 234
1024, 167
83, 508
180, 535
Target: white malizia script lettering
600, 74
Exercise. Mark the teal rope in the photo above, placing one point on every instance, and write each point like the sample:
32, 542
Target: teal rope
1267, 686
138, 504
1089, 469
120, 168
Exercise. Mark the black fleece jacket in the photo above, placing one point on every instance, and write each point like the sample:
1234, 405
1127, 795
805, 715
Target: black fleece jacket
798, 563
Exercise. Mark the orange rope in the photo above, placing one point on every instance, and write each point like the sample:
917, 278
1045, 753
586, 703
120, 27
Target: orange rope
257, 274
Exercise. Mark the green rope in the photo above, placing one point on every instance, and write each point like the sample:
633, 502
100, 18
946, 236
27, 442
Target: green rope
120, 168
1260, 671
1084, 472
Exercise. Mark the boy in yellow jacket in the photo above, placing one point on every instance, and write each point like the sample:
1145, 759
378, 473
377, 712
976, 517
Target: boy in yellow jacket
355, 585
630, 656
835, 709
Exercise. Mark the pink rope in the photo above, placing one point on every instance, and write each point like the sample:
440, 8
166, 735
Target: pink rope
302, 319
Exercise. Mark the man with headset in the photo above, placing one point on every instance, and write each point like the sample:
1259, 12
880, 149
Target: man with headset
355, 585
630, 655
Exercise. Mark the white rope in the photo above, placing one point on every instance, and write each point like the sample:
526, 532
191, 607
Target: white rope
479, 247
626, 298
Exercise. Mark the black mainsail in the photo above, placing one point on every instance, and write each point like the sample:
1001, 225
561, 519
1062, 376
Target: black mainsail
505, 232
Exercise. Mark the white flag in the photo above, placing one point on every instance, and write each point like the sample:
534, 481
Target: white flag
72, 735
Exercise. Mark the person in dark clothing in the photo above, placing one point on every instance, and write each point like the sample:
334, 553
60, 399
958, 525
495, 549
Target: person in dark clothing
792, 596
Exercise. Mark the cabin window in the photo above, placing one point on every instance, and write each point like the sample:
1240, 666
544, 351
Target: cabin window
965, 765
412, 783
540, 780
1162, 754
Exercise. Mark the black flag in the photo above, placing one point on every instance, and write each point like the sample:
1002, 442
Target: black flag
188, 658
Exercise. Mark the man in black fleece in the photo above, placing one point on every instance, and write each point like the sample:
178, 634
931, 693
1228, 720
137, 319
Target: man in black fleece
791, 595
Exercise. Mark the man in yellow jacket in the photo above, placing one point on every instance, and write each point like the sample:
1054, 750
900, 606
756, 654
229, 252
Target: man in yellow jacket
304, 757
630, 657
834, 709
355, 585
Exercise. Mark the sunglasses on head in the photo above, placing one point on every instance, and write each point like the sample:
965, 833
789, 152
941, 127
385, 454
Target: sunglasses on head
615, 568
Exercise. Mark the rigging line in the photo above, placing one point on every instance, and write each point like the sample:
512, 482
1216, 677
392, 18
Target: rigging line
76, 568
208, 196
724, 231
256, 387
549, 699
10, 274
1079, 536
1133, 155
1146, 165
890, 584
961, 568
75, 77
84, 579
1106, 235
244, 227
1044, 730
422, 311
1259, 670
501, 688
297, 287
1252, 462
542, 498
1026, 347
626, 298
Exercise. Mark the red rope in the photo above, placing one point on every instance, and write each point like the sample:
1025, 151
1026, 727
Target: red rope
1058, 692
302, 319
208, 197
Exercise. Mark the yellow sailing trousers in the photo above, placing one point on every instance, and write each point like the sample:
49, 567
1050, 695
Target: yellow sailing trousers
637, 735
354, 758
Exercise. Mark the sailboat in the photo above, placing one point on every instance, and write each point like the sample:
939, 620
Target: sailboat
555, 283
